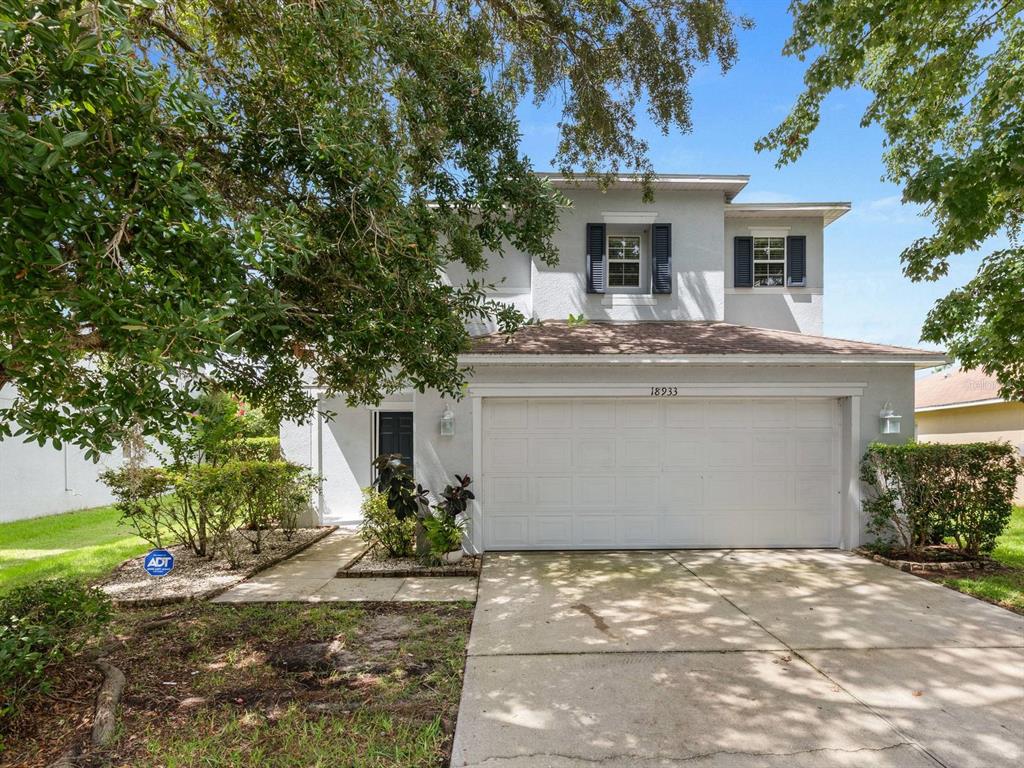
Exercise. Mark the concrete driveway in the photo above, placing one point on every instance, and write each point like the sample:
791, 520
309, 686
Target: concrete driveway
735, 658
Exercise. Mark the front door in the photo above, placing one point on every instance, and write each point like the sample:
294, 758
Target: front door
394, 434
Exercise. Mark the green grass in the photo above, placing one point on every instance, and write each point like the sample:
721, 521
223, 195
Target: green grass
86, 544
1006, 588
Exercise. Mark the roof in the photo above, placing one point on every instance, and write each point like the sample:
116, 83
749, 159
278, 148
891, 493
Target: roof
829, 212
684, 339
956, 388
730, 184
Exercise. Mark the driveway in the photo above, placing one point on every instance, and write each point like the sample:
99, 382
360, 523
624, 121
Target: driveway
708, 659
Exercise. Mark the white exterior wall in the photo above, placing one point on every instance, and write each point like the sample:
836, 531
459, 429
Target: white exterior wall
697, 258
40, 480
788, 309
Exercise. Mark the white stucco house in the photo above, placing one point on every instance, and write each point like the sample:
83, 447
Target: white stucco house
698, 405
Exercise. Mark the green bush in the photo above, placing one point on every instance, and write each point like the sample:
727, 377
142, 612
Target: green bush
253, 449
382, 529
40, 624
923, 492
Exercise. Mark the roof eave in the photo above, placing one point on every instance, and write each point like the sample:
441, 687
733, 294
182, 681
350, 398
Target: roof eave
827, 211
730, 184
952, 406
923, 360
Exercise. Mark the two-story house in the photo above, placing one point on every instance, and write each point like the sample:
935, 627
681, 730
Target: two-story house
698, 405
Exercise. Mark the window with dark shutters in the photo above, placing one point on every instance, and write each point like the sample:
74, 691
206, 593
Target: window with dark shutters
596, 280
743, 262
661, 258
796, 260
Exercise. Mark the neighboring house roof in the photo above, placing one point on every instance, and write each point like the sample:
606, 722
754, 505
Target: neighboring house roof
956, 388
684, 339
729, 184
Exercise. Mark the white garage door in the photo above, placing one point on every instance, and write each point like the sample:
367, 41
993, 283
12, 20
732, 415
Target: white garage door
609, 473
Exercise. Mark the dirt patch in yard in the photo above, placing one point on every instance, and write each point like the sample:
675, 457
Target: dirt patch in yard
263, 684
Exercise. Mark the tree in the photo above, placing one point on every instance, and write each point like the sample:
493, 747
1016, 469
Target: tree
257, 196
947, 85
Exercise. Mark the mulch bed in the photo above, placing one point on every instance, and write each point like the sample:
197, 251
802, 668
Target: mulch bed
200, 578
373, 564
277, 671
938, 559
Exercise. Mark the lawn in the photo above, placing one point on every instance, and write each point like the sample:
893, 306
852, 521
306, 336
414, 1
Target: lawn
1005, 588
372, 685
85, 544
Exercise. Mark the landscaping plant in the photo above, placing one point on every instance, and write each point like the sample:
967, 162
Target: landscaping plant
445, 528
926, 492
40, 624
382, 529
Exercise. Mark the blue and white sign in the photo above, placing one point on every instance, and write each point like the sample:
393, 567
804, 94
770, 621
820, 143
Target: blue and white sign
158, 562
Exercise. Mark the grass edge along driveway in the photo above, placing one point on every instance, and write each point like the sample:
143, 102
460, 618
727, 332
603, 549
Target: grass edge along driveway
1004, 588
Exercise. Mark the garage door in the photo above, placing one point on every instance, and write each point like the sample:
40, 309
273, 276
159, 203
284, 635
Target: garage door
609, 473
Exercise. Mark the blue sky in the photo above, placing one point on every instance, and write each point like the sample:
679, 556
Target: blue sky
866, 295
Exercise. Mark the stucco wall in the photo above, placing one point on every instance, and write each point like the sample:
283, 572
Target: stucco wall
789, 309
41, 480
1003, 422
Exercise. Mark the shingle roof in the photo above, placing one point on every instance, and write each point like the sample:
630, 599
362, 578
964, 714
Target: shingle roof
676, 338
955, 387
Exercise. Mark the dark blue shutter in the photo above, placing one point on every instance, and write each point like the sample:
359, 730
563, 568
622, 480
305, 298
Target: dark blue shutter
661, 258
596, 269
743, 262
796, 260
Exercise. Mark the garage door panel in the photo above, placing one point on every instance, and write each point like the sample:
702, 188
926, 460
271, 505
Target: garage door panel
640, 451
771, 449
660, 472
552, 531
507, 414
637, 414
681, 450
814, 413
595, 530
593, 414
681, 492
552, 491
550, 415
636, 491
504, 492
594, 491
506, 453
591, 452
550, 453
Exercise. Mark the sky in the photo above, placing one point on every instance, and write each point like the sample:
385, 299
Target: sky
866, 295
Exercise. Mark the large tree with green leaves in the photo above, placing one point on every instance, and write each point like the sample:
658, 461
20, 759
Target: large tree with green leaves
947, 85
255, 195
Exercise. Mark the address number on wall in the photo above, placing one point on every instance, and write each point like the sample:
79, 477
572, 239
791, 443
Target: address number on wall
664, 391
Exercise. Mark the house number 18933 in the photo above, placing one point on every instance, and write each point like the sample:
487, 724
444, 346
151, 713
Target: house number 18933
664, 391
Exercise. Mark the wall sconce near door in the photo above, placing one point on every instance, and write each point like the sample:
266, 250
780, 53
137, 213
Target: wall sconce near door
447, 422
889, 420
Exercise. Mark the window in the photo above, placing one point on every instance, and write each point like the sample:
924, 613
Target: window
624, 261
769, 261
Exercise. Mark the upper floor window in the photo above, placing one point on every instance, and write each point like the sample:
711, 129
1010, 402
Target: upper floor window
769, 261
623, 261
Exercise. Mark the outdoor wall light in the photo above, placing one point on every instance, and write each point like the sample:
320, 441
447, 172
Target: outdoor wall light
889, 420
448, 422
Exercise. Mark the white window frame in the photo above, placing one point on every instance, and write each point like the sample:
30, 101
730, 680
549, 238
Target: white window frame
755, 234
639, 261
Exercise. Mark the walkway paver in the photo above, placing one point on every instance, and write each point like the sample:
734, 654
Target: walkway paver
310, 576
735, 659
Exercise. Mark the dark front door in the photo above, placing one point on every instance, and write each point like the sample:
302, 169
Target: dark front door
394, 434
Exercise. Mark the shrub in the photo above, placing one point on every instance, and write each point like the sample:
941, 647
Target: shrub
444, 534
253, 449
932, 491
139, 494
382, 529
40, 624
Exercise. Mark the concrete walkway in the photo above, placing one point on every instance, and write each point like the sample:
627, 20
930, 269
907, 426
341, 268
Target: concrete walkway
310, 576
804, 659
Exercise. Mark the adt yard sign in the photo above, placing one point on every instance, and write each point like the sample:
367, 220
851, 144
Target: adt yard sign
158, 562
